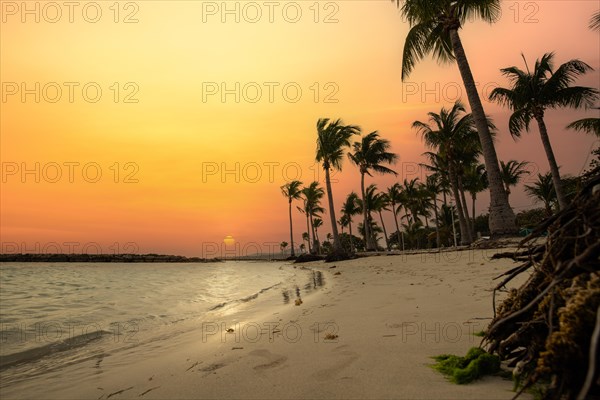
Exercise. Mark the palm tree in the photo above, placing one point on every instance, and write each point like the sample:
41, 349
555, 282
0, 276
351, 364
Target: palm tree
595, 21
512, 172
332, 138
380, 204
395, 197
586, 125
544, 190
434, 29
350, 208
452, 134
533, 92
368, 155
343, 222
312, 207
282, 246
433, 188
370, 204
306, 238
475, 182
317, 223
292, 190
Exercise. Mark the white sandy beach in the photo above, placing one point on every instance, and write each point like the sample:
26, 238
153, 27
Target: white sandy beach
391, 315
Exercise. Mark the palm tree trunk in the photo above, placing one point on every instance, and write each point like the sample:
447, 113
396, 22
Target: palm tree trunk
387, 242
396, 221
308, 231
461, 216
292, 254
463, 199
367, 228
558, 187
351, 240
316, 245
502, 217
337, 246
474, 197
437, 222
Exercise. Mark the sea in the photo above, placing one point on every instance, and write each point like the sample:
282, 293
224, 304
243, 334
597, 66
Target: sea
57, 315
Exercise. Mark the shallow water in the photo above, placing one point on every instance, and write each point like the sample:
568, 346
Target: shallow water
53, 315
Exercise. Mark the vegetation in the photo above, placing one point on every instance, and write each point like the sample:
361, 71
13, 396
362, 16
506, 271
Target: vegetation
474, 365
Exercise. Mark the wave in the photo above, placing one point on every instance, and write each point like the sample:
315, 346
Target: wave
244, 299
38, 353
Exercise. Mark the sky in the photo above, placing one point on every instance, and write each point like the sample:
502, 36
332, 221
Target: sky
165, 126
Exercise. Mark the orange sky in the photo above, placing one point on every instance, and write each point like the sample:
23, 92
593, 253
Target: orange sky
157, 155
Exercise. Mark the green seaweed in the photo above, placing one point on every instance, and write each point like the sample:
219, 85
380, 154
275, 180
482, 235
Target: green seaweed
474, 365
479, 333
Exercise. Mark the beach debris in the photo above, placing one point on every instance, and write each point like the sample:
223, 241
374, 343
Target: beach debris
548, 329
118, 392
147, 391
338, 273
331, 336
298, 302
333, 266
237, 348
474, 365
230, 330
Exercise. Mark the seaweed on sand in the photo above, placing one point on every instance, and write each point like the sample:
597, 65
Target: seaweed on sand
474, 365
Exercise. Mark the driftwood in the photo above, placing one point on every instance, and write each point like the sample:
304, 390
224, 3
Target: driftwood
548, 329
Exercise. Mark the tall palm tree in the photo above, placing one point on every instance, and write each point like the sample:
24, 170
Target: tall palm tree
292, 191
312, 194
512, 172
533, 92
543, 189
332, 138
350, 208
434, 29
411, 193
343, 222
395, 197
452, 134
317, 223
369, 155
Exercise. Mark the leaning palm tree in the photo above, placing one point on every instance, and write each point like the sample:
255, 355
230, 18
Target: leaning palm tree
533, 92
452, 134
396, 197
292, 191
317, 223
434, 29
350, 208
512, 172
369, 155
332, 138
544, 191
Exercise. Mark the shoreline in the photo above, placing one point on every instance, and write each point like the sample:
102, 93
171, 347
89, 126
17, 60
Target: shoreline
390, 314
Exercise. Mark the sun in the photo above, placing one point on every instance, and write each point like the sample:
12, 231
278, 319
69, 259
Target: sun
229, 240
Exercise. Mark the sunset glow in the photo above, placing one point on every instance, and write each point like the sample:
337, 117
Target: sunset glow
164, 126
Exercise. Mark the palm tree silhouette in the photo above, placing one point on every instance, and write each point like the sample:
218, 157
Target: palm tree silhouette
533, 92
368, 155
292, 190
434, 29
332, 138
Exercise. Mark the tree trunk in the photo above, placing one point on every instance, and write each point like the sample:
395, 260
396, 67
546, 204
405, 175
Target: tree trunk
396, 221
308, 231
437, 222
461, 216
351, 239
463, 199
387, 242
502, 217
337, 246
292, 254
367, 228
558, 187
316, 244
474, 197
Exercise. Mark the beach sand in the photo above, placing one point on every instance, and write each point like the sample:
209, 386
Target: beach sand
390, 314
